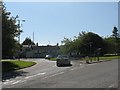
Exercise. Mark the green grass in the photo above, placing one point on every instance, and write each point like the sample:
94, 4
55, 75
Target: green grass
53, 59
13, 65
110, 57
103, 58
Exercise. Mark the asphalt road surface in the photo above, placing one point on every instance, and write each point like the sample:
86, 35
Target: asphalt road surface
45, 74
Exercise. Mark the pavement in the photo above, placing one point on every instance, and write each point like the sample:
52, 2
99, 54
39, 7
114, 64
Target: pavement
45, 74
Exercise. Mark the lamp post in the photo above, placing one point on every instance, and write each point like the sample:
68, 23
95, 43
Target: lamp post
90, 51
98, 53
19, 25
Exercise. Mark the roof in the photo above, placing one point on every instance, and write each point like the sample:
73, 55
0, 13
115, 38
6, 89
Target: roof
48, 47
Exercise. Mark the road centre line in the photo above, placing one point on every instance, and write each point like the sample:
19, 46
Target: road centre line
16, 82
5, 82
53, 75
8, 81
72, 69
111, 86
57, 74
81, 66
35, 75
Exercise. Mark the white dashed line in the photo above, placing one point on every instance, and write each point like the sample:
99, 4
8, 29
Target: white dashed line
111, 86
23, 80
35, 75
53, 75
71, 69
8, 81
5, 82
16, 82
57, 74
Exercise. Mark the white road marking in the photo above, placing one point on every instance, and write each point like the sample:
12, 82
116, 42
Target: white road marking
28, 77
35, 75
16, 82
41, 73
8, 81
5, 82
53, 75
57, 74
72, 69
111, 86
23, 80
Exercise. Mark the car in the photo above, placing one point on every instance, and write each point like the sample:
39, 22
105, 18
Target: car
63, 60
48, 56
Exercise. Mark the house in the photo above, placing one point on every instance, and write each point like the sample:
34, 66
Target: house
39, 51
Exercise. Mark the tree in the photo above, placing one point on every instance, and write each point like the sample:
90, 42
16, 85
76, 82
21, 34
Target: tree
65, 49
90, 43
115, 33
28, 41
116, 36
85, 44
9, 32
110, 45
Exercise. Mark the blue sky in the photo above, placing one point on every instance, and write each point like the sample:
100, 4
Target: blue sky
51, 21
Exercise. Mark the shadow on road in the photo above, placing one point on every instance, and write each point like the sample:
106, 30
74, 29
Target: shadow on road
13, 74
65, 65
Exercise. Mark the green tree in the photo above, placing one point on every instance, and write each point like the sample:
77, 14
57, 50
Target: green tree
65, 48
9, 32
115, 33
116, 37
110, 45
28, 41
85, 44
90, 44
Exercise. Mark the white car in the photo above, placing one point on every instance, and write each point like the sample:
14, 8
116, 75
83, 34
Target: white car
48, 56
63, 60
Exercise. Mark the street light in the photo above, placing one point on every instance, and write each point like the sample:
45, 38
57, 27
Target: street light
90, 51
19, 25
98, 53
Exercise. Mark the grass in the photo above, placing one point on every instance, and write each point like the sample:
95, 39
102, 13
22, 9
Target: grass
12, 65
53, 59
103, 58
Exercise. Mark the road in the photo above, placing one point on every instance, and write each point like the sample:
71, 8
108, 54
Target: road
45, 74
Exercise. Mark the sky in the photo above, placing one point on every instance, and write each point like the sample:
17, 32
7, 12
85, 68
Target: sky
52, 21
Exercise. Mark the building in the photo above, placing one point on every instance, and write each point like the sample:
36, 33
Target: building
39, 51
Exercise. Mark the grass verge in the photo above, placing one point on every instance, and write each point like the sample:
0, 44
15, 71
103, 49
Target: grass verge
13, 65
94, 58
53, 59
103, 58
